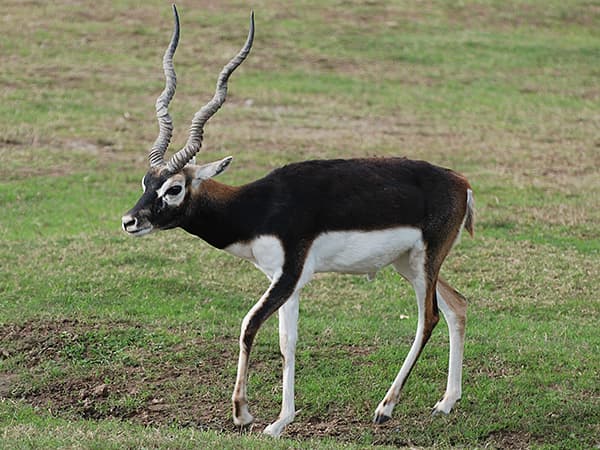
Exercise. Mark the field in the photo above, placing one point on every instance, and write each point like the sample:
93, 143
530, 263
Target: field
112, 342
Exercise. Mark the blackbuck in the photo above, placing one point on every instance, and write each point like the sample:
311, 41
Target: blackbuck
351, 216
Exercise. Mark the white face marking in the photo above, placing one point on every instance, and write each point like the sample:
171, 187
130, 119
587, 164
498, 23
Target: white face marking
173, 190
142, 231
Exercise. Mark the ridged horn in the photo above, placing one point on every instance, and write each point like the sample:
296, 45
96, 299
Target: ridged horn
165, 123
194, 142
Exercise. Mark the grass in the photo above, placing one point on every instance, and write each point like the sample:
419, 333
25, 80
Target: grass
110, 342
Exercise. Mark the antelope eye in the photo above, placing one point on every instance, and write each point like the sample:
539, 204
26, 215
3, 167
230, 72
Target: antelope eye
174, 190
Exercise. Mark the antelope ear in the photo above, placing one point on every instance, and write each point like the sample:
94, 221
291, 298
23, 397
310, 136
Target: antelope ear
206, 171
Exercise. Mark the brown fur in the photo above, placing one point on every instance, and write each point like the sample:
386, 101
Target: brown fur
455, 301
215, 191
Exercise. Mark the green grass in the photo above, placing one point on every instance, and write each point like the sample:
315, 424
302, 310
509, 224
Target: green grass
29, 429
111, 342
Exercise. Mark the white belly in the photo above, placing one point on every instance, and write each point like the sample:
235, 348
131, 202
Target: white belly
339, 251
361, 251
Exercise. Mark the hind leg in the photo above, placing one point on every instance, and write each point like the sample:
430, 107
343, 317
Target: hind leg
412, 267
454, 308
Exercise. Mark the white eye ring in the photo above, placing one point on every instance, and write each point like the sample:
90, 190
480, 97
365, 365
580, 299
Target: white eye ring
174, 195
174, 190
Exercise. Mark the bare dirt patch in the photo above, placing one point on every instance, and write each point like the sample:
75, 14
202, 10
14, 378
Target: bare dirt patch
509, 439
120, 370
99, 371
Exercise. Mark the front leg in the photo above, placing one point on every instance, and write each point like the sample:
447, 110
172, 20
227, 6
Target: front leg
281, 289
288, 336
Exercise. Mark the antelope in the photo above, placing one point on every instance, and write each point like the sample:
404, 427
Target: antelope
349, 216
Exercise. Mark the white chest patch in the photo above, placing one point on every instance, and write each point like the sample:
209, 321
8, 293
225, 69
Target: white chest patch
266, 252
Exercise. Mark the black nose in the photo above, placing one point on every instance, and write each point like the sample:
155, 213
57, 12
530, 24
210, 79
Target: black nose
128, 222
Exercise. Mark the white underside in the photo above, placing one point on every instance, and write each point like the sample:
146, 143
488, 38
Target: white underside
340, 251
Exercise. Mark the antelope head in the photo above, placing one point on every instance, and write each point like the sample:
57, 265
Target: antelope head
168, 185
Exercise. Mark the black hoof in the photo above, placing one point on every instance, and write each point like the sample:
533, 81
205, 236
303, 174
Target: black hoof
381, 419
